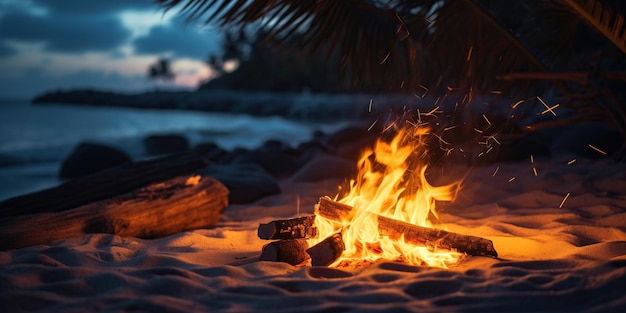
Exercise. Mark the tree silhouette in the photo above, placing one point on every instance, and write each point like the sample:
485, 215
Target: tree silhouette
161, 70
515, 49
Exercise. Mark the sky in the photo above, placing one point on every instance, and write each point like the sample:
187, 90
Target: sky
48, 45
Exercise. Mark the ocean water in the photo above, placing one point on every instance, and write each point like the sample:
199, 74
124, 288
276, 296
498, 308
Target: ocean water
35, 139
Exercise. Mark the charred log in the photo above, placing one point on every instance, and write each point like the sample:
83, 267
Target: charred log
327, 251
295, 228
413, 234
291, 251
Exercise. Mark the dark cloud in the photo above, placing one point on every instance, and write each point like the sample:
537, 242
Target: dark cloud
65, 33
99, 7
5, 50
179, 40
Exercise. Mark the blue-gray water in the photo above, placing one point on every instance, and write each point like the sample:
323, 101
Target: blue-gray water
35, 139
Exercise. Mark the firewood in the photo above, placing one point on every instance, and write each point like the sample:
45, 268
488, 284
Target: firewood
102, 185
413, 234
292, 251
301, 227
327, 251
160, 209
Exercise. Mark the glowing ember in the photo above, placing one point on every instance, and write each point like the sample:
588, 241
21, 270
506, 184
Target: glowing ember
392, 183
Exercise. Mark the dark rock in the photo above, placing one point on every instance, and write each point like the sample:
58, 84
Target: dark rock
166, 144
324, 166
350, 142
211, 152
245, 182
275, 157
88, 158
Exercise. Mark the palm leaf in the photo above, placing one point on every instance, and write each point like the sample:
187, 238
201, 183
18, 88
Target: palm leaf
603, 20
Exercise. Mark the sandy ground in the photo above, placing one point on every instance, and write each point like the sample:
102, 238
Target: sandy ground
560, 235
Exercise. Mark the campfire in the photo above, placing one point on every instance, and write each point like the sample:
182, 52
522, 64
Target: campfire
387, 213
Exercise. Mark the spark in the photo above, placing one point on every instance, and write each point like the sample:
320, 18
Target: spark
488, 150
449, 128
496, 92
549, 109
369, 109
496, 171
517, 103
563, 202
512, 179
478, 130
486, 119
597, 149
386, 57
532, 159
535, 171
372, 126
469, 53
571, 162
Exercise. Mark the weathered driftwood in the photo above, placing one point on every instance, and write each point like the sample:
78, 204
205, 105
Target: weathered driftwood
102, 185
413, 234
292, 251
327, 251
161, 209
300, 227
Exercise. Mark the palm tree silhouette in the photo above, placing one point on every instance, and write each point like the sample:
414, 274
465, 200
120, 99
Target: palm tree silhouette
511, 48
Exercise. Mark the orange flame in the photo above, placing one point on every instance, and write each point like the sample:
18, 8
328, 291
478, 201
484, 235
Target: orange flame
391, 182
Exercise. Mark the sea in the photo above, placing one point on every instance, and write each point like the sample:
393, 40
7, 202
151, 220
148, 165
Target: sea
34, 139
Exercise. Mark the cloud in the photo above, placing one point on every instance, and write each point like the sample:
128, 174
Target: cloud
6, 50
65, 33
179, 41
99, 7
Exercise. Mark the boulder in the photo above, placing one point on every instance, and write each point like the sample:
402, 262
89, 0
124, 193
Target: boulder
166, 144
275, 157
245, 182
88, 158
324, 166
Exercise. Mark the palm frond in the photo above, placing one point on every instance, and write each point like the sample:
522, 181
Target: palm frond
468, 48
609, 24
364, 33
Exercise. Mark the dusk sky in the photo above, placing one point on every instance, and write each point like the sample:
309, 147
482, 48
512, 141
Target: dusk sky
63, 44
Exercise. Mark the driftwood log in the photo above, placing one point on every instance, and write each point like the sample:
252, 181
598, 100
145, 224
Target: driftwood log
102, 185
160, 209
294, 228
413, 234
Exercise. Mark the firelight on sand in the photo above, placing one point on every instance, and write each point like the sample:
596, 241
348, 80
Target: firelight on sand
391, 182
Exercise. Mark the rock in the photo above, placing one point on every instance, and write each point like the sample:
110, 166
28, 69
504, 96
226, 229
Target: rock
350, 141
275, 157
88, 158
211, 151
166, 144
245, 182
324, 166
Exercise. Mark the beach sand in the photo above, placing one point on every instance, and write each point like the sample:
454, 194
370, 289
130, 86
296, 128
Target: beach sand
560, 235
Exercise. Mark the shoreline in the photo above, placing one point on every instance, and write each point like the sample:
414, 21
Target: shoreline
302, 106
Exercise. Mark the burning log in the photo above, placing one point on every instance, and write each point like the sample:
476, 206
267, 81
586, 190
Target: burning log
301, 227
292, 251
160, 209
413, 234
327, 251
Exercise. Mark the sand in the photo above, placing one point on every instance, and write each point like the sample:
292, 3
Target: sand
561, 238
